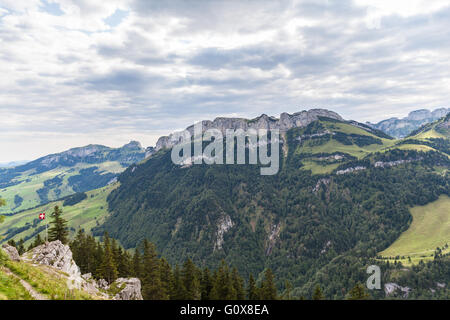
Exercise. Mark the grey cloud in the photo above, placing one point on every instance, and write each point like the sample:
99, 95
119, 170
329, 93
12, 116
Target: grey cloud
127, 80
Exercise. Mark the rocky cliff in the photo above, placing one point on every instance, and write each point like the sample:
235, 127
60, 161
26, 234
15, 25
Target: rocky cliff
284, 123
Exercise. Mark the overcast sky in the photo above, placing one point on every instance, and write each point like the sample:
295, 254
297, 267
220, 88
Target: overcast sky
74, 72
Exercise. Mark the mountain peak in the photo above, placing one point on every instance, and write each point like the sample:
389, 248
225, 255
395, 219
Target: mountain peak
132, 145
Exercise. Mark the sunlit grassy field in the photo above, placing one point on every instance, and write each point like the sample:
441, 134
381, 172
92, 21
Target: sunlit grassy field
86, 214
430, 229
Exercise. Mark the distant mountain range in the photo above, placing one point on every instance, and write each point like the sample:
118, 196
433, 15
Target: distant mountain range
58, 175
13, 163
400, 128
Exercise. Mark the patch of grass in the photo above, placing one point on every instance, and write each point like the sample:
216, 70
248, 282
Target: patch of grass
53, 286
317, 168
11, 289
429, 229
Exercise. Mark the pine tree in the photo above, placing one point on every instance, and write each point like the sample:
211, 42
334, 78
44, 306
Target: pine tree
358, 292
252, 289
288, 289
223, 288
191, 281
58, 231
108, 268
20, 247
238, 284
179, 292
151, 281
268, 290
206, 284
12, 243
317, 295
37, 241
137, 264
99, 257
166, 279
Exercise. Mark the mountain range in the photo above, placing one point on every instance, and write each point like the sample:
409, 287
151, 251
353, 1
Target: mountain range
58, 175
400, 128
347, 196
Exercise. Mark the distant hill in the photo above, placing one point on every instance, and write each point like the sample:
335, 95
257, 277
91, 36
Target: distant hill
13, 164
55, 176
400, 128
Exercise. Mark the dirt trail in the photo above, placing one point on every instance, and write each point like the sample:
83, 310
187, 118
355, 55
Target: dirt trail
26, 285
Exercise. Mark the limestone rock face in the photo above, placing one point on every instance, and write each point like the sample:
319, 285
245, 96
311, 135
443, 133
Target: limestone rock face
59, 256
286, 122
390, 288
131, 290
11, 252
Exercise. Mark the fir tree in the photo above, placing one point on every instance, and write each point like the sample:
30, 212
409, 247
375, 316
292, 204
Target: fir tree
358, 292
151, 280
191, 281
20, 247
37, 241
137, 264
252, 289
166, 279
317, 295
238, 284
179, 292
58, 231
268, 290
223, 288
108, 268
206, 284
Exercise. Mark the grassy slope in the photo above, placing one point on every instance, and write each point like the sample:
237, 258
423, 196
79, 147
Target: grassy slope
50, 283
11, 289
430, 229
334, 146
85, 214
31, 183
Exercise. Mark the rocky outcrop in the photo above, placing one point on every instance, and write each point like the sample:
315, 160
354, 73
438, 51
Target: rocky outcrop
11, 252
320, 182
286, 122
351, 170
391, 288
273, 237
381, 164
130, 289
224, 224
59, 256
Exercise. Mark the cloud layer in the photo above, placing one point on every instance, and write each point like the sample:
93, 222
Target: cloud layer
75, 72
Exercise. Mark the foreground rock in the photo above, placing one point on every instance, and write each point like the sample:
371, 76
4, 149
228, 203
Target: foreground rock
59, 256
131, 289
11, 252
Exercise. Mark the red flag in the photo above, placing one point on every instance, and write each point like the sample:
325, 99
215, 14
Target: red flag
42, 216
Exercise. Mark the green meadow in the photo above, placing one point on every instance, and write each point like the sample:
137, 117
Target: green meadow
429, 229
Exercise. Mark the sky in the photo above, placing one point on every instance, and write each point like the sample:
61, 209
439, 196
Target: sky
78, 72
